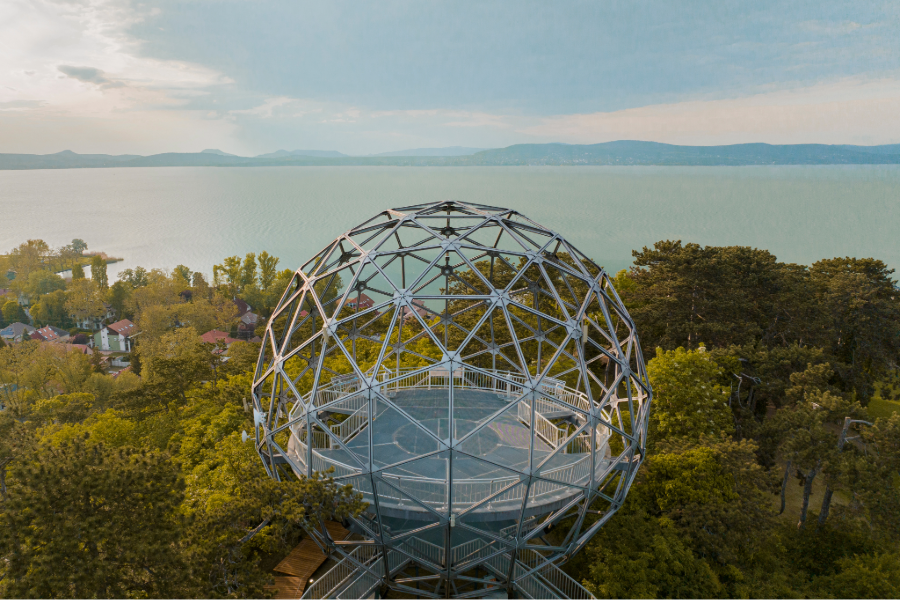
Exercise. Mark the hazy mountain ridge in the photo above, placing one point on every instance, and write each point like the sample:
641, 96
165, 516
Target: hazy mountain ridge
448, 151
317, 153
623, 152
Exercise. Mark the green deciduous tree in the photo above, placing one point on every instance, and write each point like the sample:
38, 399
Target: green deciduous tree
84, 300
118, 295
863, 576
689, 399
634, 556
267, 269
77, 272
248, 270
28, 257
51, 309
12, 312
136, 277
174, 363
43, 282
65, 408
98, 272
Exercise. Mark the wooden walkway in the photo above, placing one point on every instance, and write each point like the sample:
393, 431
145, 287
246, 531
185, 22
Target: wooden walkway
294, 571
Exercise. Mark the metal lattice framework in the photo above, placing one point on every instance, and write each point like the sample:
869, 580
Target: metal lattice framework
476, 377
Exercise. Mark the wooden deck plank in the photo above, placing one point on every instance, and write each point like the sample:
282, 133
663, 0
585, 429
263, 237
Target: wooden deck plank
306, 558
287, 587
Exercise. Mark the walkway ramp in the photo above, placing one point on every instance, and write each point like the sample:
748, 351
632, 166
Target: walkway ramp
294, 571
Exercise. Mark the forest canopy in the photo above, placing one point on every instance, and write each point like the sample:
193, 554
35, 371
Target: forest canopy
773, 466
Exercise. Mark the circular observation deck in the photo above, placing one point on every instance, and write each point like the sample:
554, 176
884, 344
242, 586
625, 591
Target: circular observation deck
481, 469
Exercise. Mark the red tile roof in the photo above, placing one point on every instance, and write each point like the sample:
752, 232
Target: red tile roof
79, 348
215, 336
123, 327
48, 334
364, 302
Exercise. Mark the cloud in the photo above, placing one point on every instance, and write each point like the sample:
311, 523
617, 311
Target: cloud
20, 104
73, 66
74, 73
844, 111
279, 106
89, 75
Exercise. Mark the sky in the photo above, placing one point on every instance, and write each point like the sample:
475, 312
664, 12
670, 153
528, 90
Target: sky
254, 76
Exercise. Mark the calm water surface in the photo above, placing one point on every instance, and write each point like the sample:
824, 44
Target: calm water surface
162, 217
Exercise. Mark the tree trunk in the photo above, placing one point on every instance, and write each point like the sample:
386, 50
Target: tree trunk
807, 490
826, 505
784, 482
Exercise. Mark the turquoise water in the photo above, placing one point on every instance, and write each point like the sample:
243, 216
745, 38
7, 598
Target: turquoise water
162, 217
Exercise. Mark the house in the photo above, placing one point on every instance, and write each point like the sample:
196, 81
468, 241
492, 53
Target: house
116, 337
82, 348
215, 336
242, 307
406, 313
15, 331
362, 301
95, 323
50, 334
247, 324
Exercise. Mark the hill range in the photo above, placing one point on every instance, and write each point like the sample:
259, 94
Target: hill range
609, 153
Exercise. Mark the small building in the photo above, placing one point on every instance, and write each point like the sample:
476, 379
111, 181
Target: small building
215, 336
82, 348
247, 325
50, 334
362, 301
95, 323
116, 337
15, 331
409, 312
241, 307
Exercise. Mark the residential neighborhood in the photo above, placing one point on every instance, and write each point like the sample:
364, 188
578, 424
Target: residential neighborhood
116, 337
48, 298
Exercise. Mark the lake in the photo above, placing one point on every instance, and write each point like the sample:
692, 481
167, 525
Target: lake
161, 217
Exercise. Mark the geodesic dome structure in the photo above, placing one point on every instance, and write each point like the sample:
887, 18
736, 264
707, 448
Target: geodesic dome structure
476, 378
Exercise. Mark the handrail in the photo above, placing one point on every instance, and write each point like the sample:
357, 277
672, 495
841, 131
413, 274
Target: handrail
339, 573
471, 491
468, 491
352, 424
505, 382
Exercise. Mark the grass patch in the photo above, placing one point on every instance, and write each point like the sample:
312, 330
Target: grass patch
879, 408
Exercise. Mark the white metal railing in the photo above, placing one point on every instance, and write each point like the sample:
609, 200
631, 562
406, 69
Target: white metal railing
528, 525
549, 432
467, 492
352, 424
322, 464
567, 586
547, 581
363, 585
339, 574
502, 382
423, 549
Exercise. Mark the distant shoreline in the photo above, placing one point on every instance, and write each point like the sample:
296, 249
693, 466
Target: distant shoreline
622, 153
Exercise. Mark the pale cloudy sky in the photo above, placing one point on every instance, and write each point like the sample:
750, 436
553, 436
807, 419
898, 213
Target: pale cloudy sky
249, 77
